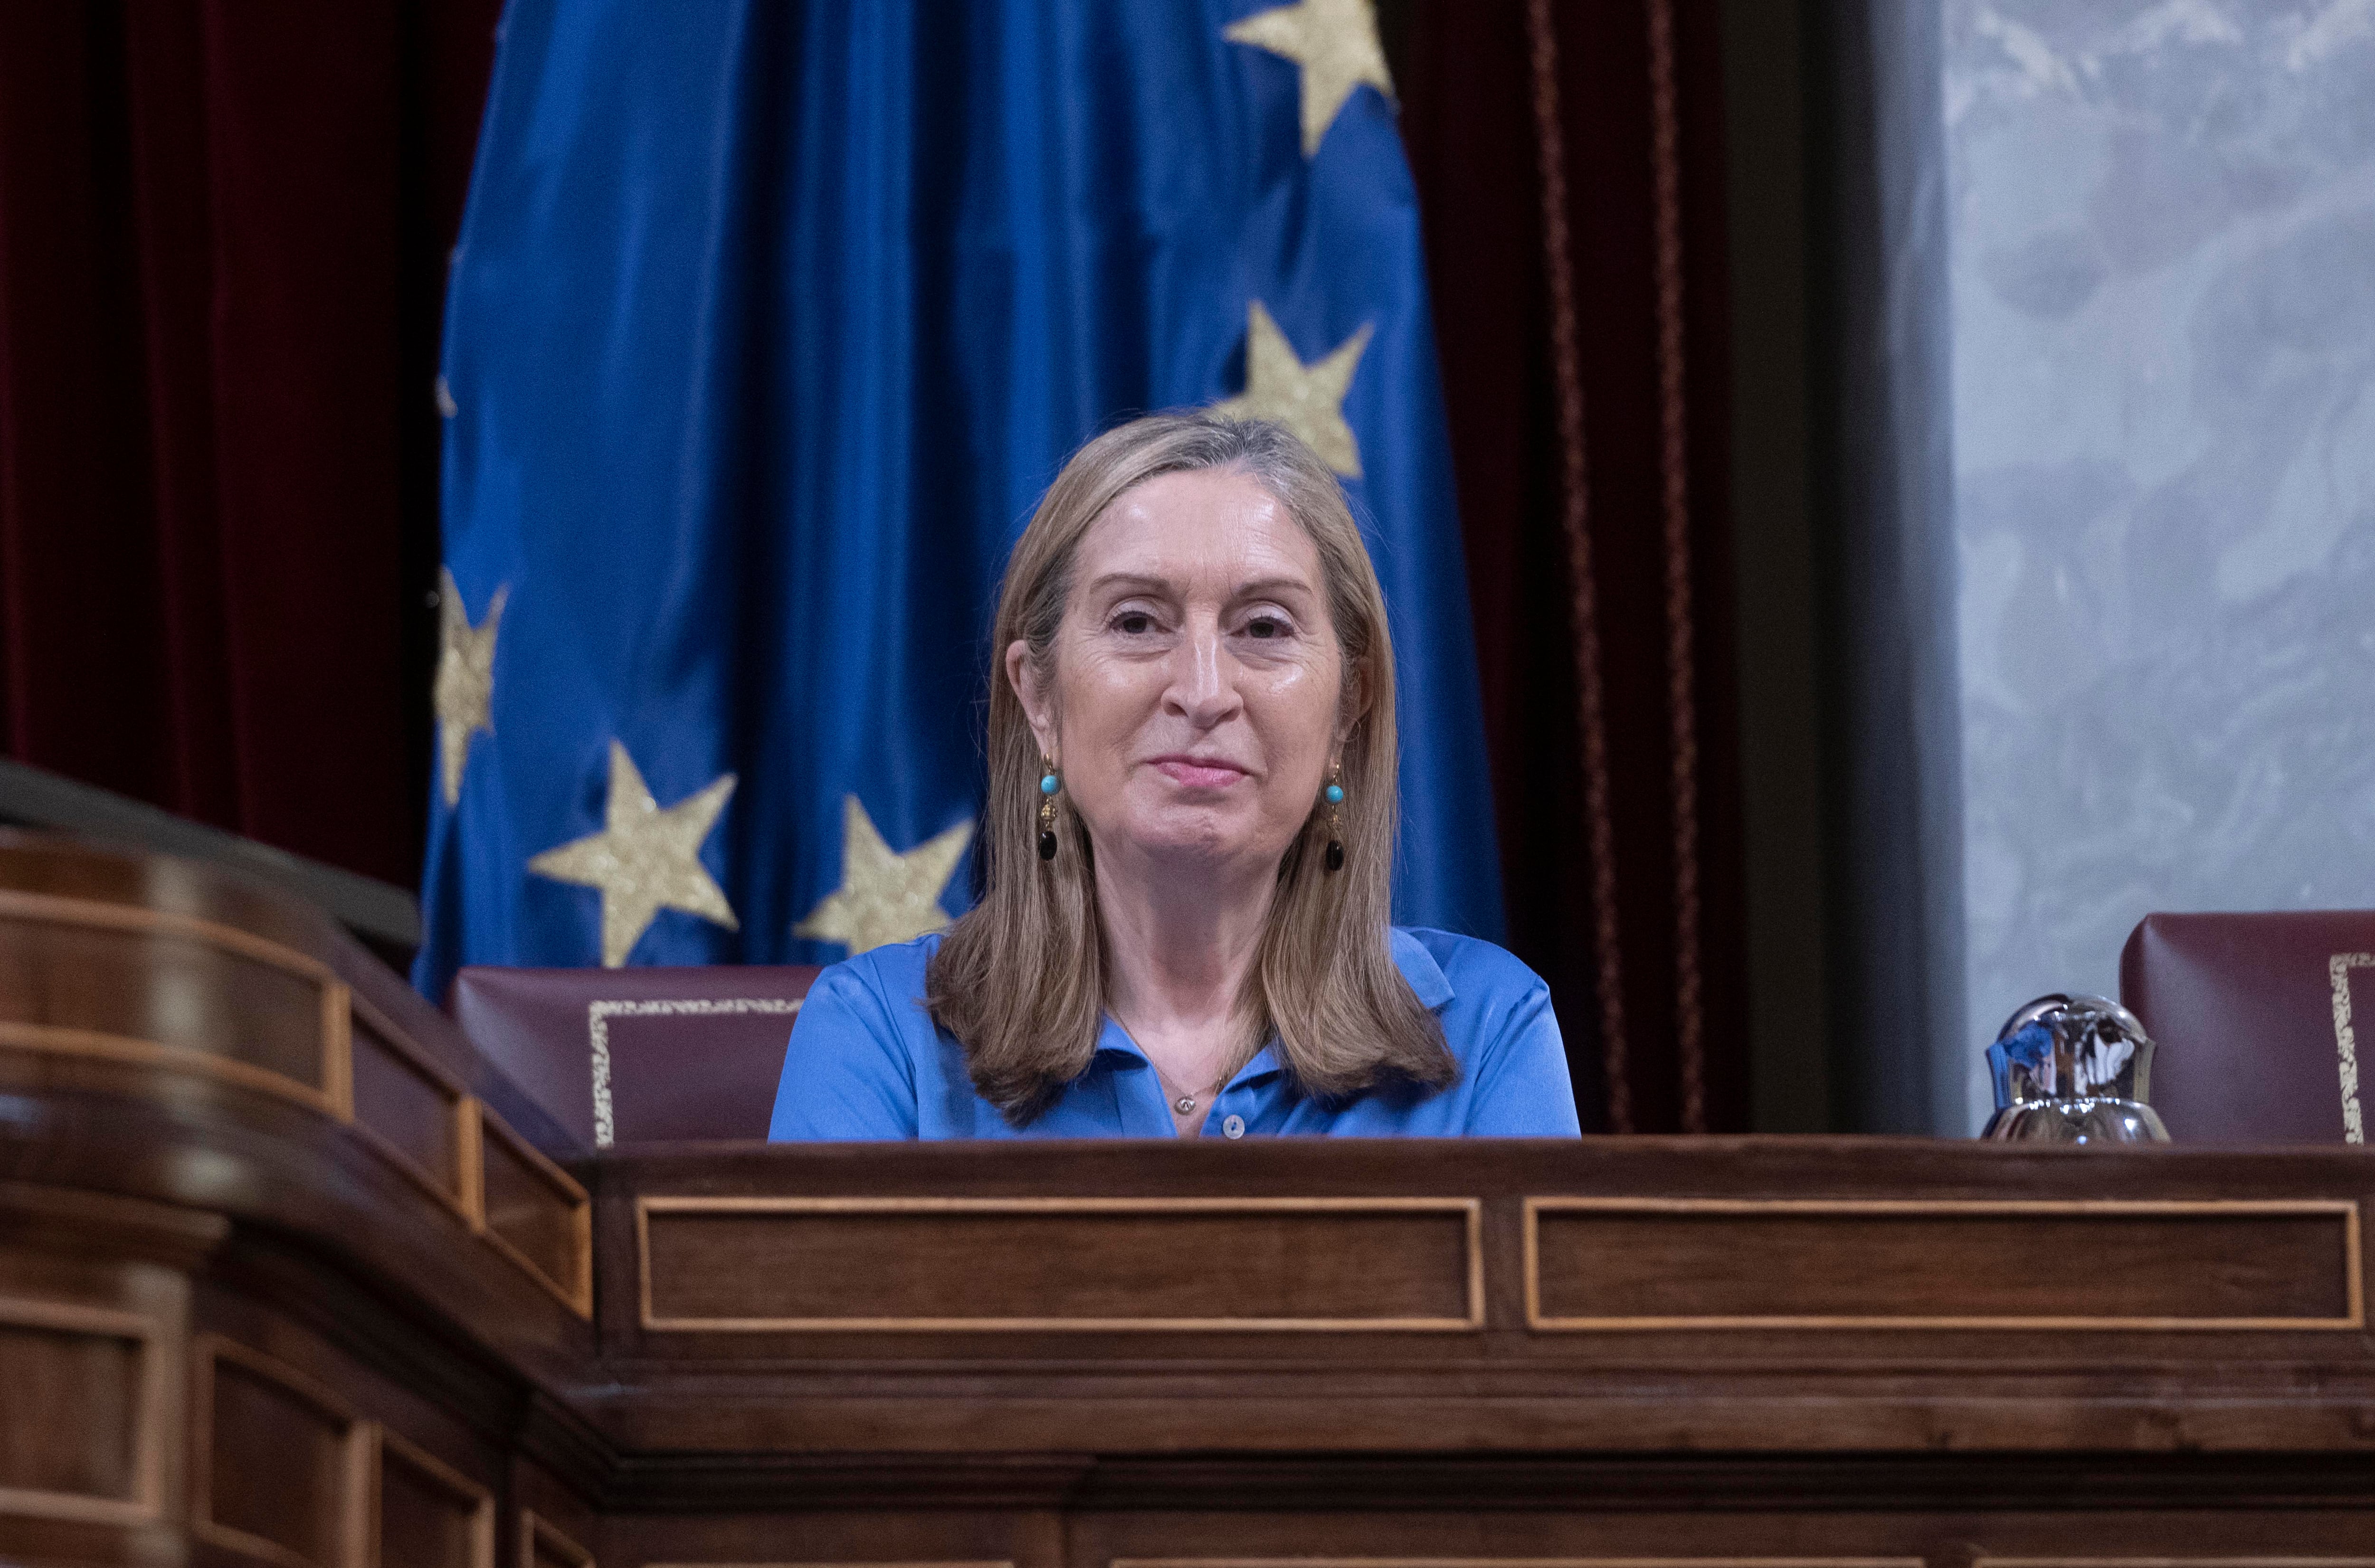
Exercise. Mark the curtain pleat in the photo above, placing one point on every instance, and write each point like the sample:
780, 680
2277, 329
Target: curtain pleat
1586, 372
222, 228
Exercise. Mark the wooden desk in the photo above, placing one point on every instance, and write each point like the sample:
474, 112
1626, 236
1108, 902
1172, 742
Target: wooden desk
280, 1283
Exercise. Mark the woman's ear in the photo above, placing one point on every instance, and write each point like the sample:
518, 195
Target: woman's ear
1030, 691
1356, 705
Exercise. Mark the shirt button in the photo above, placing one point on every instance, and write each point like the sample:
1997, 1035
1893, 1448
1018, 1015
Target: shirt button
1234, 1126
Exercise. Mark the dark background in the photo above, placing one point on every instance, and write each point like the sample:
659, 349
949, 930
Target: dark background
223, 233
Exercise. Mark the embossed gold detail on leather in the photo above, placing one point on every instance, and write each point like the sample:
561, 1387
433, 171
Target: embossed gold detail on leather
2345, 1040
597, 1034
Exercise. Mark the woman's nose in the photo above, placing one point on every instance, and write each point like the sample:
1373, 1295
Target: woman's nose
1203, 679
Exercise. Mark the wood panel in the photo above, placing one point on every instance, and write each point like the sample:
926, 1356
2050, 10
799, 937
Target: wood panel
1609, 1263
1915, 1529
805, 1563
281, 1467
112, 982
427, 1515
536, 1214
1747, 1433
418, 1113
80, 976
771, 1265
542, 1544
86, 1394
1518, 1562
991, 1532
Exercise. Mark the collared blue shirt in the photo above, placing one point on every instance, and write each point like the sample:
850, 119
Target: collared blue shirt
866, 1061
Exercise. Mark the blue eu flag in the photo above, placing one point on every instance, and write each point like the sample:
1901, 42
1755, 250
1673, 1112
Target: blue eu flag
769, 323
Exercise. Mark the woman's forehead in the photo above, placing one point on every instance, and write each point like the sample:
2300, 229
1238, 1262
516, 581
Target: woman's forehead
1210, 527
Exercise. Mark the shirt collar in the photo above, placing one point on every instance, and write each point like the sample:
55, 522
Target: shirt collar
1117, 1049
1418, 966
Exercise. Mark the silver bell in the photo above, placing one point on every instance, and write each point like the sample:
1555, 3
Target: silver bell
2072, 1069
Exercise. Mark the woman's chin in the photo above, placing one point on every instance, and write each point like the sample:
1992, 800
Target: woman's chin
1191, 837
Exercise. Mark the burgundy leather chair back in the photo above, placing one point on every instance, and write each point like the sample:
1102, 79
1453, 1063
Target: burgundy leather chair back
639, 1056
2258, 1017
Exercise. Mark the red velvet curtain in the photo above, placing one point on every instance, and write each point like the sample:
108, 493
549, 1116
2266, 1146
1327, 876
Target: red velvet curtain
223, 226
1569, 162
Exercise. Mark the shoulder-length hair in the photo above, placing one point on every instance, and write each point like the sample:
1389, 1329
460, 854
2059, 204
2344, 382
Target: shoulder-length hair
1020, 979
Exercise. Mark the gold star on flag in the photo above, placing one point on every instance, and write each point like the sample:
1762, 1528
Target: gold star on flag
465, 689
644, 859
1335, 42
884, 897
1306, 399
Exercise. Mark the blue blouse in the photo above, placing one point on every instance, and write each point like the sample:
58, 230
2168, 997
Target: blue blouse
866, 1062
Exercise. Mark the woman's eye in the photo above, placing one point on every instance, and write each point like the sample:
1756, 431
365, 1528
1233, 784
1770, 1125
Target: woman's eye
1265, 627
1133, 623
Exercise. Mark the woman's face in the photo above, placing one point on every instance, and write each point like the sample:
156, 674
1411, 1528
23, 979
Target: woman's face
1193, 702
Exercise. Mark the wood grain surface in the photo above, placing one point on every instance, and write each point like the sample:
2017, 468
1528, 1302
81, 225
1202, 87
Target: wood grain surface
955, 1262
2042, 1264
257, 1307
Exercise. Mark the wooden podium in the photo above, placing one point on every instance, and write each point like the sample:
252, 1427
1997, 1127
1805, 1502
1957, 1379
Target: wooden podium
288, 1277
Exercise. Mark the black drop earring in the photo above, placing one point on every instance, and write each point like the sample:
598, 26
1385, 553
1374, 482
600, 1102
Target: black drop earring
1047, 786
1334, 794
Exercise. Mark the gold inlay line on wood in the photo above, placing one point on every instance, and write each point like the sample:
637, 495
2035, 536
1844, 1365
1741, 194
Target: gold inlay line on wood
468, 1195
983, 1562
462, 1111
2343, 1210
152, 1400
539, 1538
56, 1041
576, 1292
469, 1111
334, 1096
482, 1500
1518, 1562
2216, 1560
1471, 1211
97, 914
359, 1453
338, 1049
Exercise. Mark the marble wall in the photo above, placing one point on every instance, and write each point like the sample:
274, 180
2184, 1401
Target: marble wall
2160, 222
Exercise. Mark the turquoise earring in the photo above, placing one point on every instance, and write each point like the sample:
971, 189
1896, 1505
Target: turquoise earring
1047, 787
1334, 796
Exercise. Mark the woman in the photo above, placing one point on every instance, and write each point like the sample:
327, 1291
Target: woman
1187, 845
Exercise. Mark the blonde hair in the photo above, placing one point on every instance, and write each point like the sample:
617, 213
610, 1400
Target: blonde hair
1020, 979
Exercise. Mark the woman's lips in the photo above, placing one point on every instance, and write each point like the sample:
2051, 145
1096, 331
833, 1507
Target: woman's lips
1194, 774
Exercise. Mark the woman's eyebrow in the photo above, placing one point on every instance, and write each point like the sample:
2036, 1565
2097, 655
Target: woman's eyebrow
1137, 583
1130, 580
1268, 586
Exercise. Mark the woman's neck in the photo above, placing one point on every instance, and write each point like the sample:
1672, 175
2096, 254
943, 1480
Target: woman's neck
1180, 946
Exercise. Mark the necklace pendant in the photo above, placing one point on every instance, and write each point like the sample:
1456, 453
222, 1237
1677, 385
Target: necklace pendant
1186, 1105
